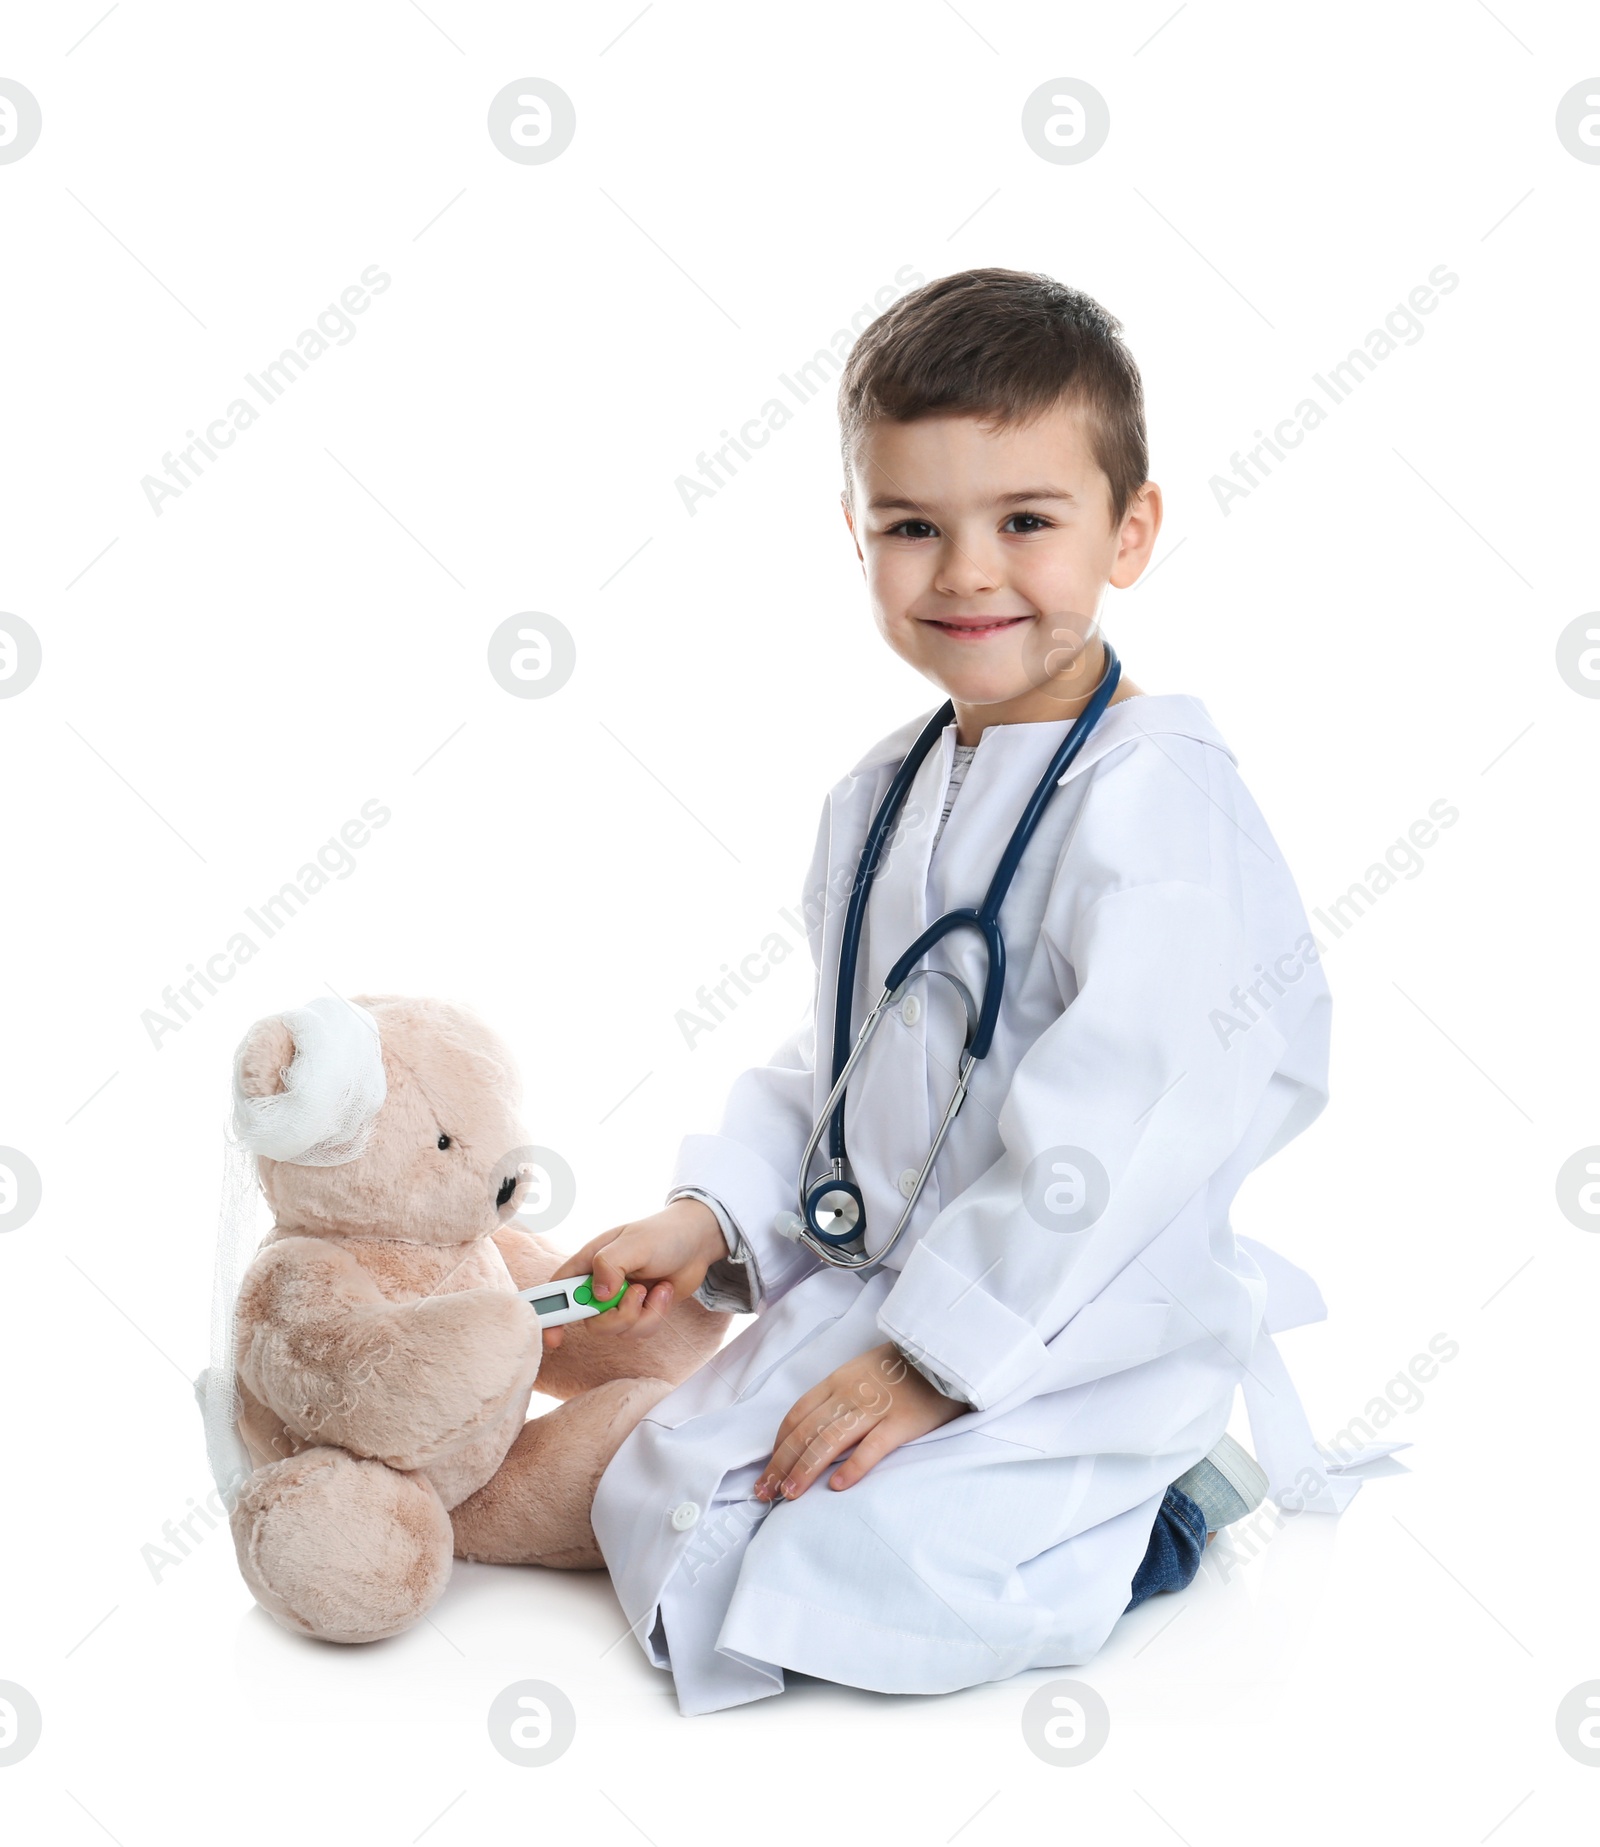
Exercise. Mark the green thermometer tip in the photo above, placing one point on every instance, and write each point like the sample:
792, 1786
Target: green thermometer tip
585, 1296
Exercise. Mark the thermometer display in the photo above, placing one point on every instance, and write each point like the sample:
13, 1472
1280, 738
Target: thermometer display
570, 1298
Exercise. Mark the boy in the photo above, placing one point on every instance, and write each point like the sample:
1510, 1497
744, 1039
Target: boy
1023, 1407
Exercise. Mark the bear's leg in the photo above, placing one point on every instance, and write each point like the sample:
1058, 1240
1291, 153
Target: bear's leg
534, 1510
340, 1547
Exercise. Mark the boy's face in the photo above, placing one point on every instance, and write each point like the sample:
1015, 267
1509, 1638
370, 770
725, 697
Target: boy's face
987, 553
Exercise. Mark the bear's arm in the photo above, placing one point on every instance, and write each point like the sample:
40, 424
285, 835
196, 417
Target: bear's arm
405, 1382
529, 1255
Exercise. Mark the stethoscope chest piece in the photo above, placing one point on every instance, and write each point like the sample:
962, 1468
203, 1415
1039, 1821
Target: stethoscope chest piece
835, 1210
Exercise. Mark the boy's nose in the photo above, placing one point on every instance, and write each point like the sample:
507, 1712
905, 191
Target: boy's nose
966, 568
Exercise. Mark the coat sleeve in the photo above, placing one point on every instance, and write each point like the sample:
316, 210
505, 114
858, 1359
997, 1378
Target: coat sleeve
1116, 1116
747, 1170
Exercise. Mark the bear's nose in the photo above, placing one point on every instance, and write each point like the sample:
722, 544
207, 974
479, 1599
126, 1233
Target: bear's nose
507, 1187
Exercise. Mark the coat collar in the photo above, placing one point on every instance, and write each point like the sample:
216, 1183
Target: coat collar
1146, 715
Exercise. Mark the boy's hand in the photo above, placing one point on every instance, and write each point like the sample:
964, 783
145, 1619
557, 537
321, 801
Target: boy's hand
876, 1403
669, 1252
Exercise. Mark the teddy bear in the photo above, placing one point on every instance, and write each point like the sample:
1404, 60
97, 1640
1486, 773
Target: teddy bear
384, 1360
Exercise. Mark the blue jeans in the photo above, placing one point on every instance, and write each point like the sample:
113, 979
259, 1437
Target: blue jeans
1176, 1543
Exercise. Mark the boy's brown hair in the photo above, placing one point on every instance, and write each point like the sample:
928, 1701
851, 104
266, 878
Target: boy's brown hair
1003, 345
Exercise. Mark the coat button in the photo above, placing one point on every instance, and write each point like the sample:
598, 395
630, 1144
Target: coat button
911, 1010
908, 1182
684, 1515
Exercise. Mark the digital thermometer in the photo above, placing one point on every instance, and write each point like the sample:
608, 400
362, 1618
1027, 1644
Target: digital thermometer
569, 1298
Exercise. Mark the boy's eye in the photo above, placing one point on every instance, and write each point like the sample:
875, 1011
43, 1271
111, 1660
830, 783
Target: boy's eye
1036, 523
913, 529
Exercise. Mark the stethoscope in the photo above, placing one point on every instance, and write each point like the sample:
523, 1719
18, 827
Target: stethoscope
832, 1220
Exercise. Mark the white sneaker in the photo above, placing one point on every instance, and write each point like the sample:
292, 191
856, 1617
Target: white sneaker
1226, 1485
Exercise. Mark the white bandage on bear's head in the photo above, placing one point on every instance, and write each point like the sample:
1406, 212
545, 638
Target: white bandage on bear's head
332, 1087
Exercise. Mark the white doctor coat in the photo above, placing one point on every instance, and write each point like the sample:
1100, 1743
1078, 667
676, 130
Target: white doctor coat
1165, 1023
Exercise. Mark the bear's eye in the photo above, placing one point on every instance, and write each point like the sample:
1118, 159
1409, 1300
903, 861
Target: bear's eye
444, 1141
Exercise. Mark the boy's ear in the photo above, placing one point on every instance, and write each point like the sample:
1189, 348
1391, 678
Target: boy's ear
1140, 527
850, 520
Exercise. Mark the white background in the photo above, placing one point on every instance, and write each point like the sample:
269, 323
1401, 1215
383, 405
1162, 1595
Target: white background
305, 627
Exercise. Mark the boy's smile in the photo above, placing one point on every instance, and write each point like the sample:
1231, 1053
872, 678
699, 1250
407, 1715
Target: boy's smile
970, 627
987, 552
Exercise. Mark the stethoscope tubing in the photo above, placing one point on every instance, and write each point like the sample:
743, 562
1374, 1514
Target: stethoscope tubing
985, 920
855, 913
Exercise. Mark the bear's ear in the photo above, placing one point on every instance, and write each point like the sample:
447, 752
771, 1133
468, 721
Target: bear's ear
267, 1052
